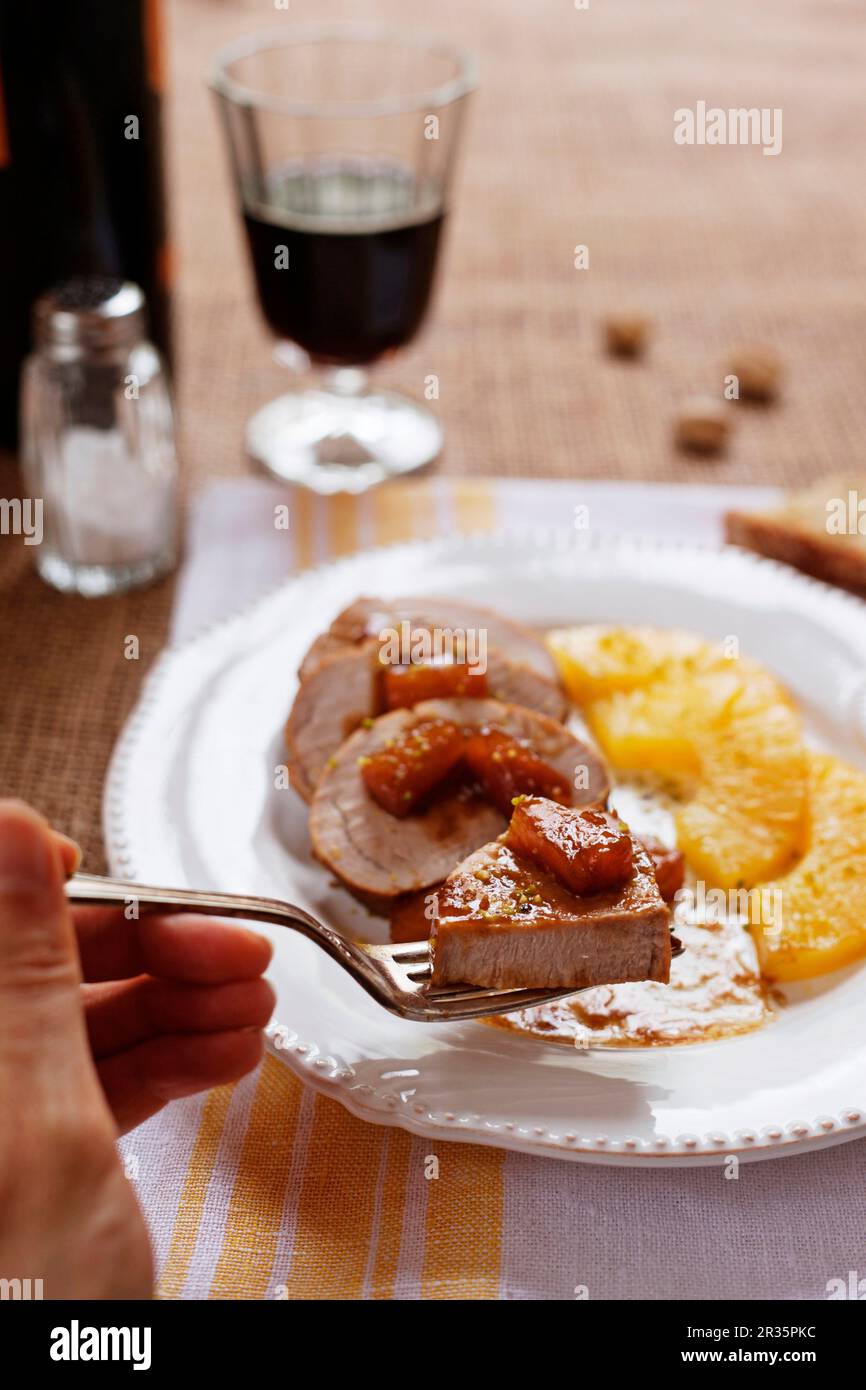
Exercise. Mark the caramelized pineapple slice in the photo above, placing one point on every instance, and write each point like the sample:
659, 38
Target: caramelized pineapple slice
506, 768
594, 660
587, 850
813, 919
721, 729
400, 775
747, 819
405, 686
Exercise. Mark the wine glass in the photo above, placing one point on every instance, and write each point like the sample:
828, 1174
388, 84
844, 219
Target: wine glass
342, 142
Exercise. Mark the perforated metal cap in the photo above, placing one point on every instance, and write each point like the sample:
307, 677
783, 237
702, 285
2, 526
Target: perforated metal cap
90, 314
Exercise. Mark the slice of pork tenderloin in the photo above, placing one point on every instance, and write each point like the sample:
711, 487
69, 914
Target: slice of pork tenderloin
504, 923
343, 690
378, 856
367, 617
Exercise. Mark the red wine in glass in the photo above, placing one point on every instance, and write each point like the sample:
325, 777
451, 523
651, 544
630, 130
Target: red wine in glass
344, 257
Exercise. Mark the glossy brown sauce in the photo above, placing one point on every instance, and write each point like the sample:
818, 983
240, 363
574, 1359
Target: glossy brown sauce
715, 989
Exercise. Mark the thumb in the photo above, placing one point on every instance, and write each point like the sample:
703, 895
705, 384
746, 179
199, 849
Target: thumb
40, 1007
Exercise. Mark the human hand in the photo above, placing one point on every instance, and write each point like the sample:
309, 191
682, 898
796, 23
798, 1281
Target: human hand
171, 1005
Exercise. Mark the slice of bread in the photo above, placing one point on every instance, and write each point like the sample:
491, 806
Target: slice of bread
817, 530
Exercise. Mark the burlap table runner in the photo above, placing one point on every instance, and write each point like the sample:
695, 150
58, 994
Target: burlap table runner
570, 142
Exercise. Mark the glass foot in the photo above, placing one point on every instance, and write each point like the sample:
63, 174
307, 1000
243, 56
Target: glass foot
333, 442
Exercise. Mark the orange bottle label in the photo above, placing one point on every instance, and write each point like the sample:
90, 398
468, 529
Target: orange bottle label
153, 44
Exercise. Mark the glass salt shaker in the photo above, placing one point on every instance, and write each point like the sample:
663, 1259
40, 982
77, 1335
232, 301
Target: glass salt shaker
97, 438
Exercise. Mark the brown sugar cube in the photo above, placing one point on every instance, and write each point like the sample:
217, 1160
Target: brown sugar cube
702, 426
757, 370
626, 334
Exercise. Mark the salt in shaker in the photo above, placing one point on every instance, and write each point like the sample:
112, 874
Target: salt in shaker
98, 444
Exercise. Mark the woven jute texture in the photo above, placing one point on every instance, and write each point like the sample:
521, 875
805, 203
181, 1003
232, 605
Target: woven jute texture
569, 143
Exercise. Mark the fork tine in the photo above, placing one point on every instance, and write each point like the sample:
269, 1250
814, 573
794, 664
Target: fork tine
510, 998
467, 993
422, 971
411, 966
405, 951
481, 1005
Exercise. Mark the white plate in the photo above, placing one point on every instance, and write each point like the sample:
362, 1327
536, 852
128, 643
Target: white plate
190, 800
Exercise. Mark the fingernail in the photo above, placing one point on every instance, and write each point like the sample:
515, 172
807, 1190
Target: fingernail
27, 857
260, 940
253, 938
71, 853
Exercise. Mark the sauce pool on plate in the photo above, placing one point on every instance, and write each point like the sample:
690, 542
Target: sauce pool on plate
715, 989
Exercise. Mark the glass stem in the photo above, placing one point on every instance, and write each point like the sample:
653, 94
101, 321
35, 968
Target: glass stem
347, 381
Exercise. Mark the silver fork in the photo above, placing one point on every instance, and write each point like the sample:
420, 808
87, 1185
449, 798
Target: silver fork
398, 977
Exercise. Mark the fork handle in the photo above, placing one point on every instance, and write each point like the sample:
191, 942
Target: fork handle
93, 891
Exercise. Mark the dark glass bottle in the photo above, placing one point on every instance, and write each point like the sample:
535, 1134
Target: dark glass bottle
81, 173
